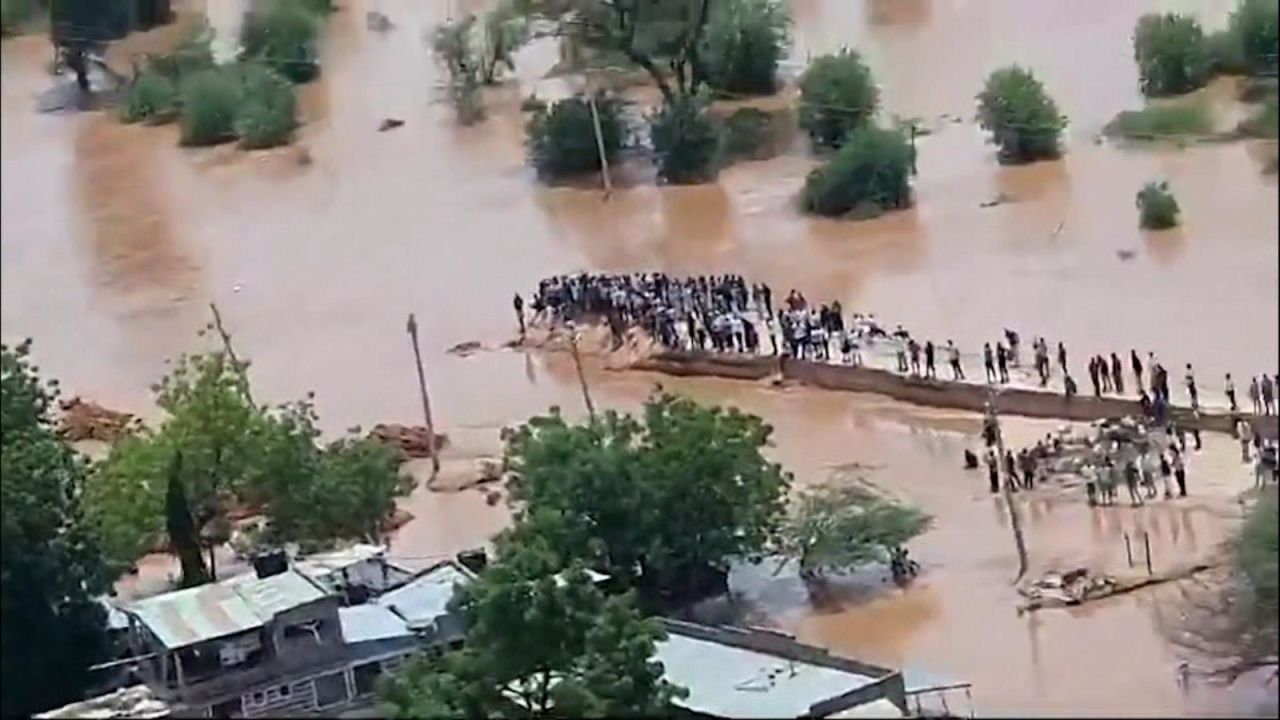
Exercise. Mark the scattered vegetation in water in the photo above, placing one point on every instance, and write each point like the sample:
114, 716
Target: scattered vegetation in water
1171, 54
151, 98
451, 46
210, 105
1184, 118
869, 175
283, 35
743, 43
267, 115
837, 95
686, 140
1157, 208
1023, 120
561, 139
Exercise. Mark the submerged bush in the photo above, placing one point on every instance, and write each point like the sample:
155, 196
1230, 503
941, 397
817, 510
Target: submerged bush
150, 97
686, 140
210, 104
283, 36
749, 133
1157, 208
1171, 54
1163, 120
870, 174
561, 139
1023, 120
744, 41
268, 109
837, 95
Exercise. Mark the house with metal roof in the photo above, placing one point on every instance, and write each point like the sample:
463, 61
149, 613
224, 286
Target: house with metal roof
740, 673
359, 572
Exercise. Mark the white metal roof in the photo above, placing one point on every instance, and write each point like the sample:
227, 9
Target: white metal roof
137, 702
425, 598
882, 708
185, 617
362, 623
321, 565
728, 681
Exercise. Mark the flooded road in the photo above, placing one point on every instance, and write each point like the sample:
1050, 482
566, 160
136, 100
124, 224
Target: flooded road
114, 240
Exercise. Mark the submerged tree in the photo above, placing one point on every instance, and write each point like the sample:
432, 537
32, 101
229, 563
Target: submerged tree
661, 504
686, 140
541, 641
452, 48
869, 175
744, 43
1171, 54
51, 569
1023, 120
836, 529
837, 96
1157, 208
561, 139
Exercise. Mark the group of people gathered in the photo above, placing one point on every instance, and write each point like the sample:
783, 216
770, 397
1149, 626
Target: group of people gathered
724, 313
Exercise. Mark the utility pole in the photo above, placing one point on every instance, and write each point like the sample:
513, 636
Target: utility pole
604, 161
231, 353
412, 329
1015, 520
582, 378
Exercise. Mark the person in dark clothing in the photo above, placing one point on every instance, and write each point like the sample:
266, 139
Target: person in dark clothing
1191, 388
1027, 464
913, 352
1165, 471
1195, 432
517, 302
989, 362
1117, 374
1013, 340
1137, 368
1180, 474
993, 471
1002, 362
953, 353
1230, 388
1011, 470
929, 369
970, 460
1103, 374
1131, 483
767, 295
1093, 377
1069, 386
1144, 401
1062, 356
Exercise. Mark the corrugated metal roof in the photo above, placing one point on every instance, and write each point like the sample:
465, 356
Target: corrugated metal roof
184, 617
727, 681
323, 564
425, 598
362, 623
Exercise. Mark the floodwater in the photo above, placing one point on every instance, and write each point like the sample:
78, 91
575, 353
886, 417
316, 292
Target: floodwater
114, 242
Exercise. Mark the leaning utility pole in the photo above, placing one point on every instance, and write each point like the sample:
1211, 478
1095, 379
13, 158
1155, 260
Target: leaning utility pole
1015, 520
412, 329
604, 161
582, 378
231, 353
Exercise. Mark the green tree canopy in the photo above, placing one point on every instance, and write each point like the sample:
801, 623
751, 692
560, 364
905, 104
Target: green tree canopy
870, 174
834, 529
238, 455
743, 44
542, 640
1255, 29
1023, 120
837, 96
283, 35
561, 139
1171, 53
1157, 208
686, 140
51, 630
662, 503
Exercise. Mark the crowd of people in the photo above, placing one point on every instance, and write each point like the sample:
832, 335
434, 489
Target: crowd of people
725, 313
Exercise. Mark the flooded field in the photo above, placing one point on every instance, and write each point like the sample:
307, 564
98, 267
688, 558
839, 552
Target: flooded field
115, 240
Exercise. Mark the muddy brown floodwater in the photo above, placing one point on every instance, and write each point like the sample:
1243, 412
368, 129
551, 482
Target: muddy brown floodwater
114, 240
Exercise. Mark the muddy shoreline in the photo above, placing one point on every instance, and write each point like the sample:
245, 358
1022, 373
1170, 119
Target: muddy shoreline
931, 393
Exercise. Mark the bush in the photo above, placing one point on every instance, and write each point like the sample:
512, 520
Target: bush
1226, 57
1023, 120
749, 133
283, 36
561, 140
1171, 54
686, 140
191, 55
1263, 123
1164, 120
1157, 208
837, 95
210, 103
1253, 26
150, 97
869, 175
268, 109
744, 41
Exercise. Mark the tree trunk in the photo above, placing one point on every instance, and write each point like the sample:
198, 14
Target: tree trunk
183, 536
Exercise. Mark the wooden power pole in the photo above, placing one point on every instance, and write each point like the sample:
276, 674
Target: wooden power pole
412, 329
582, 378
604, 160
1015, 520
